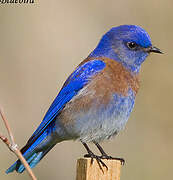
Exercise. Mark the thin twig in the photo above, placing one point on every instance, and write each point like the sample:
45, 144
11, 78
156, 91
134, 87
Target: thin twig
13, 146
6, 125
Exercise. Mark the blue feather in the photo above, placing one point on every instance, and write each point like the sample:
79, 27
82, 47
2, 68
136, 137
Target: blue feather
76, 81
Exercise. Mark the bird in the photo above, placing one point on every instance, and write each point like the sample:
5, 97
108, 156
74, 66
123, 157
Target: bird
96, 100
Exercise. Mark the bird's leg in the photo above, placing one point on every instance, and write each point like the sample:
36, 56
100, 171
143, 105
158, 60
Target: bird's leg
105, 156
93, 156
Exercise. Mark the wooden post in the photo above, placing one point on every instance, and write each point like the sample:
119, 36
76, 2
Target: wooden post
91, 171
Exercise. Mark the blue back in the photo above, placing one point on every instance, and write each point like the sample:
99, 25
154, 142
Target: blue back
76, 81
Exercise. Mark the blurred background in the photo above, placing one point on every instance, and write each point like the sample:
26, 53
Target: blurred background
41, 44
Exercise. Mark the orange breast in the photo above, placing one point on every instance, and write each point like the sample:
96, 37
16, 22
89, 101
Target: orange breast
114, 79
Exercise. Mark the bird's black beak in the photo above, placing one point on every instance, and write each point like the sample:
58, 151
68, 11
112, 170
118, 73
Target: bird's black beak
154, 49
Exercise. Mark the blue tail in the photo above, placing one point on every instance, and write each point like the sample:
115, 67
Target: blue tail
33, 152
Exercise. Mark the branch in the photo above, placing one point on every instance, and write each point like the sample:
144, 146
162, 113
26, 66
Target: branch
13, 146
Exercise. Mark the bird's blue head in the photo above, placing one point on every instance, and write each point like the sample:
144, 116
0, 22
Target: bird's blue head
127, 44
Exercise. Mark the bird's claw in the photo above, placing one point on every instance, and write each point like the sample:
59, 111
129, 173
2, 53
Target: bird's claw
105, 156
98, 159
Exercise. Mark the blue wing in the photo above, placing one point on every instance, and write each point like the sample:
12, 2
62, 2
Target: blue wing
76, 81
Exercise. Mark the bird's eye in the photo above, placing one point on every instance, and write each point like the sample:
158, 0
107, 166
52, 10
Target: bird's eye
132, 45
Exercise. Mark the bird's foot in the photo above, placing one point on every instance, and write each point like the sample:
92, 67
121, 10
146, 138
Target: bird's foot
98, 159
105, 156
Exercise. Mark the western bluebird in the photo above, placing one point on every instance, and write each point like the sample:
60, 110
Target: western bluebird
96, 100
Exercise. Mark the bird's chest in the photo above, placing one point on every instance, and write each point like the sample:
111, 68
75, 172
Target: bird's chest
103, 106
92, 120
101, 122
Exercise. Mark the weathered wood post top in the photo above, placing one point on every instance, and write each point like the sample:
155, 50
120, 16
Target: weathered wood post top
91, 171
